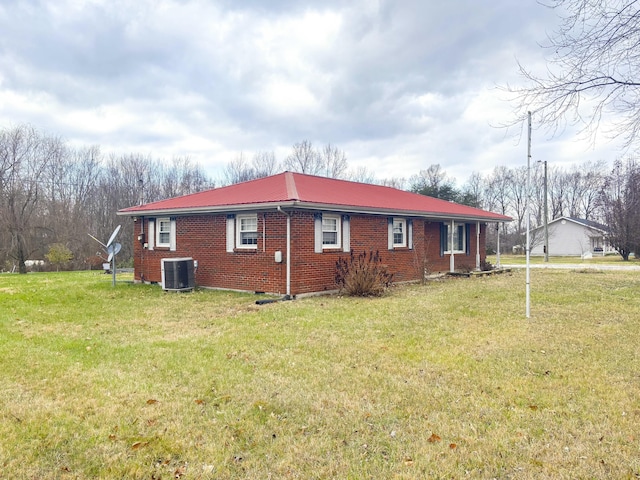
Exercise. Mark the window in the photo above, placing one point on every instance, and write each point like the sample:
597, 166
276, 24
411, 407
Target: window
247, 231
459, 237
330, 231
399, 232
163, 232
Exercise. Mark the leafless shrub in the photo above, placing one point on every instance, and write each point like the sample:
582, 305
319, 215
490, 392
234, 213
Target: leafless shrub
363, 275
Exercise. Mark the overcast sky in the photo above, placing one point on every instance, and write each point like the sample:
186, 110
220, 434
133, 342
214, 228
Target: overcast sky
397, 85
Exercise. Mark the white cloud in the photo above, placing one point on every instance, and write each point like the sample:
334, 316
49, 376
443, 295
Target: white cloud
396, 85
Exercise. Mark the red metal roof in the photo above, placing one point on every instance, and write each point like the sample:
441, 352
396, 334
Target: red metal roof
291, 189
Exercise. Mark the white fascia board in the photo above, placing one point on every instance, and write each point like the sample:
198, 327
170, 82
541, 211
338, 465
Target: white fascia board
308, 206
398, 213
243, 207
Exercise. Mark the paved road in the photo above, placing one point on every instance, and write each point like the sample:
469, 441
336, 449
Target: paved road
576, 266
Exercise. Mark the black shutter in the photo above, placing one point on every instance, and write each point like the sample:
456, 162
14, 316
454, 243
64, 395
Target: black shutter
467, 234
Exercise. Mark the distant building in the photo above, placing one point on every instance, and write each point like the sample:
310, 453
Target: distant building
572, 237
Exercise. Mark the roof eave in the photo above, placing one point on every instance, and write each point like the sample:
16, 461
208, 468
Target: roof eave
309, 206
389, 211
205, 210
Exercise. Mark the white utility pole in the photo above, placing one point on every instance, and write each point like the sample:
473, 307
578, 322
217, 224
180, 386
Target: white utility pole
528, 280
546, 217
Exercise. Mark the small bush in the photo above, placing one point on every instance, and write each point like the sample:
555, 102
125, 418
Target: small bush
363, 275
465, 268
59, 254
486, 266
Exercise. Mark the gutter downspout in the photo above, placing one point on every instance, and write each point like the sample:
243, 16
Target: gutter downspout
288, 250
478, 246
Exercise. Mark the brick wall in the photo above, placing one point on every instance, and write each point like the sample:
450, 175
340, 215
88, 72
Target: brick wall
203, 237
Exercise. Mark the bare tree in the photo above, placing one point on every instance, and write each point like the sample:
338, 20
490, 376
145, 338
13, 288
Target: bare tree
593, 70
592, 180
620, 203
51, 193
25, 154
517, 197
472, 191
583, 183
238, 170
70, 189
537, 194
304, 159
496, 193
434, 182
496, 190
394, 182
557, 182
264, 164
334, 161
181, 177
361, 174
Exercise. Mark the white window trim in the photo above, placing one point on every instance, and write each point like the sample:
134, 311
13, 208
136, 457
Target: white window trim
151, 240
159, 222
346, 233
450, 238
402, 222
338, 244
238, 220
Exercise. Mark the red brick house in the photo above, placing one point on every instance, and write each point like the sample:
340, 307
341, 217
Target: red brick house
283, 234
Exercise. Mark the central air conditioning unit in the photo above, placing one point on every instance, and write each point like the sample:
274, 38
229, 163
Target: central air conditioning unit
178, 274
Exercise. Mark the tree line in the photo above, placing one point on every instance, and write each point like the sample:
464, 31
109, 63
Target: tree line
53, 195
589, 191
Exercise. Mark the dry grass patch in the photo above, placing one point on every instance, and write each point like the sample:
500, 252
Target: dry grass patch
445, 380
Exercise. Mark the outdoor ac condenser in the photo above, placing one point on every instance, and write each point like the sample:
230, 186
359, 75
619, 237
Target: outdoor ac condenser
178, 274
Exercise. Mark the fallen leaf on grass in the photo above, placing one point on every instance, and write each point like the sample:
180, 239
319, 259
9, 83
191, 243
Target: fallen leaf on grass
152, 401
453, 446
433, 438
200, 401
533, 407
139, 445
408, 461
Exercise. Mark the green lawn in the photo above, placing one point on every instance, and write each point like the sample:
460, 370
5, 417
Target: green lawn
443, 380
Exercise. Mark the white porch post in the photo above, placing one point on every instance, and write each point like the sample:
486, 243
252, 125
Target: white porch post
498, 246
452, 262
477, 245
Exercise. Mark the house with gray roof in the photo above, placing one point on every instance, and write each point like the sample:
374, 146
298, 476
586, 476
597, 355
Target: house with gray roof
570, 236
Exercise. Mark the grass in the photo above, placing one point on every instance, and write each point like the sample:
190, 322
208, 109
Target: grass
444, 380
539, 259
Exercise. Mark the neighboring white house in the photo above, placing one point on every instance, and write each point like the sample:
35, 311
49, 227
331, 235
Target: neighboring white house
572, 236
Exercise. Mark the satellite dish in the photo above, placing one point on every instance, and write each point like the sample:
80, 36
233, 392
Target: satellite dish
113, 249
113, 236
